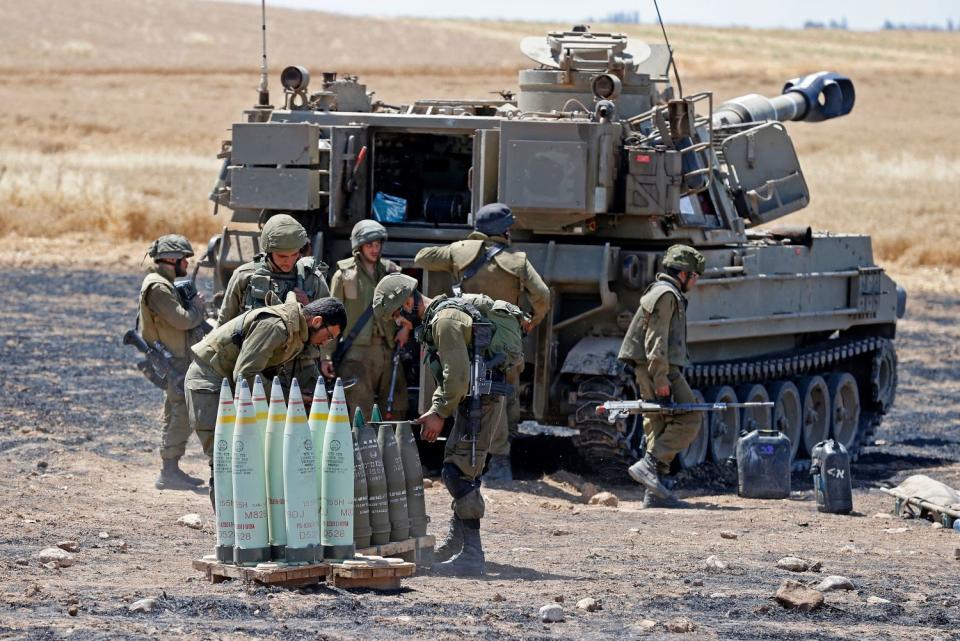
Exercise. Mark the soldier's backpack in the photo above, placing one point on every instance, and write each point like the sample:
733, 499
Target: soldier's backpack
504, 347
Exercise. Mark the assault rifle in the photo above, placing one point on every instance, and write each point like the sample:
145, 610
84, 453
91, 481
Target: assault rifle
615, 410
482, 382
158, 364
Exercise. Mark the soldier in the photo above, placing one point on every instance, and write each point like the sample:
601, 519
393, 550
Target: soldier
656, 346
282, 267
482, 264
266, 341
164, 317
450, 336
366, 349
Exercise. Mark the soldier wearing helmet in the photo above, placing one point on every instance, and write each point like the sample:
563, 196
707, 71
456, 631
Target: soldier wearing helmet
449, 340
365, 351
164, 317
656, 346
483, 264
283, 267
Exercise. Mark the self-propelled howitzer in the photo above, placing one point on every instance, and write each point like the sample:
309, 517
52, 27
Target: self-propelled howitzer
604, 165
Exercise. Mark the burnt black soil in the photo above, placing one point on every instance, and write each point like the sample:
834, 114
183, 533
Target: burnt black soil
78, 453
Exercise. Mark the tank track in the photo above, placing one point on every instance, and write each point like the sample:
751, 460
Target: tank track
609, 451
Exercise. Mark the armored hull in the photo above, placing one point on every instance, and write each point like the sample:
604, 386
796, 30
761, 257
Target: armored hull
604, 167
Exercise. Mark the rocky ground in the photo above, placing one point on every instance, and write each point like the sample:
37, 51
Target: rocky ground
78, 454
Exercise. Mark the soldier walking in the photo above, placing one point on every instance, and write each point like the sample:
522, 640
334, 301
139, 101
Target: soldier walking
267, 341
484, 264
455, 332
164, 317
656, 346
366, 350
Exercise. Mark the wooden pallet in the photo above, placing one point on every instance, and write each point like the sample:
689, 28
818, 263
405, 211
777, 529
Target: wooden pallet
418, 550
365, 570
376, 573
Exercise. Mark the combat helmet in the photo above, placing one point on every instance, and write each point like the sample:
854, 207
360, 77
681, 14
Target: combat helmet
391, 292
367, 231
170, 246
684, 258
493, 219
282, 233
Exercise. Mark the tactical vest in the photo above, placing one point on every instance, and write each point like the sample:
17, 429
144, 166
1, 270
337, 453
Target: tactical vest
501, 278
221, 349
505, 344
633, 348
152, 327
358, 295
264, 284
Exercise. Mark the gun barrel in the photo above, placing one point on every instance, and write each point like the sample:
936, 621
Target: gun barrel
133, 338
812, 98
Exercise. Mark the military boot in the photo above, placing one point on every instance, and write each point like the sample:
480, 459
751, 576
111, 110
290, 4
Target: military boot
173, 478
453, 543
499, 468
470, 561
645, 473
650, 500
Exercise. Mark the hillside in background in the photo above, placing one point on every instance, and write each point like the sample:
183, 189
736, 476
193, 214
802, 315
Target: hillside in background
115, 110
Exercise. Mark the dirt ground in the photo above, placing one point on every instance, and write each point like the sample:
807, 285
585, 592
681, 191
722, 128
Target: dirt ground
78, 455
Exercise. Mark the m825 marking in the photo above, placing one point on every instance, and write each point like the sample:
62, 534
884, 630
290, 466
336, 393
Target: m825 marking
604, 167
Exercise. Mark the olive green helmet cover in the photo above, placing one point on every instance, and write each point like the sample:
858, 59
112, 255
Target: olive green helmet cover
391, 292
282, 233
684, 258
367, 231
171, 246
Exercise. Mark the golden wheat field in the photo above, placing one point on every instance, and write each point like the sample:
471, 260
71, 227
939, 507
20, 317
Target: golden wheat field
115, 111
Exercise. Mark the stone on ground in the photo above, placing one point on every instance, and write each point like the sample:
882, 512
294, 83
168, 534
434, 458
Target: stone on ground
192, 521
608, 499
552, 613
794, 595
834, 582
589, 604
61, 558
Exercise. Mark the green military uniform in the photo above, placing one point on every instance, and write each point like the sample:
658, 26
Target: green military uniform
369, 358
505, 276
266, 341
255, 284
656, 345
448, 334
163, 318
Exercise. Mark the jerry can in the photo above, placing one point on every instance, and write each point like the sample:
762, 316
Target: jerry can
830, 468
763, 465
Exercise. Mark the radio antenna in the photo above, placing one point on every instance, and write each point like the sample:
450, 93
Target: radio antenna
263, 89
673, 63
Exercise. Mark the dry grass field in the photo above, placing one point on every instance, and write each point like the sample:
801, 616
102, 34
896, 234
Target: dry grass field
115, 111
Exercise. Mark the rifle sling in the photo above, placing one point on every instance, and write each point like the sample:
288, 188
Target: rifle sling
347, 342
473, 268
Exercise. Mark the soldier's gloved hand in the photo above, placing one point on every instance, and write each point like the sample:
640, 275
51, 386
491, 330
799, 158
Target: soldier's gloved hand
326, 368
301, 296
432, 425
403, 335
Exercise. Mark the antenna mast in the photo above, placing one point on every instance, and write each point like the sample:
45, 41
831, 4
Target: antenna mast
673, 63
263, 89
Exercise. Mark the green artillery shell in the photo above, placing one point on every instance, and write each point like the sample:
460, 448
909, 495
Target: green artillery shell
319, 414
396, 484
252, 544
223, 473
299, 484
336, 501
413, 474
361, 507
277, 514
376, 482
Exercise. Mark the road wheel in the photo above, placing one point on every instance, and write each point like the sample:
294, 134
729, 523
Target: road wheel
787, 413
754, 418
815, 411
844, 409
724, 426
696, 453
